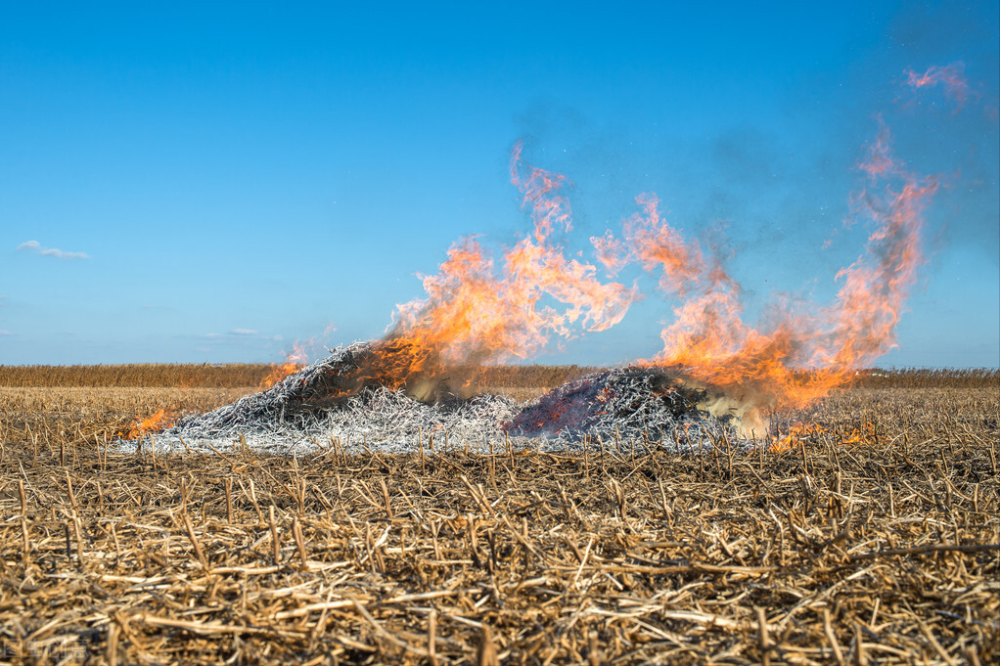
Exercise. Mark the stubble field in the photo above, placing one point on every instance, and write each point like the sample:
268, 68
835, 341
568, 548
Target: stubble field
873, 538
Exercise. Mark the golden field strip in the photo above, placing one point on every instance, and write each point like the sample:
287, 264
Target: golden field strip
239, 375
880, 550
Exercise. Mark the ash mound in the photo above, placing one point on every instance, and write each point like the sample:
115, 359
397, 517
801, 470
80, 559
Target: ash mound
347, 397
356, 397
631, 403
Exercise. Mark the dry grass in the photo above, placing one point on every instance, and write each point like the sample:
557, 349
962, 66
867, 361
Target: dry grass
928, 378
238, 375
75, 416
164, 375
884, 551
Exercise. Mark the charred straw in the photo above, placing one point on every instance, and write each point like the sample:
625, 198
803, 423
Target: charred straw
373, 395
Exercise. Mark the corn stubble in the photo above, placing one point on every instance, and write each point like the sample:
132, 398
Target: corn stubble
880, 551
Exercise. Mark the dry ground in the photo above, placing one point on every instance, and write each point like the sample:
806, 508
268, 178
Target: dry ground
884, 550
75, 416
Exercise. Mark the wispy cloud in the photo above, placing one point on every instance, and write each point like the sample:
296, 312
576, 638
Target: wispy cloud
37, 248
5, 333
243, 331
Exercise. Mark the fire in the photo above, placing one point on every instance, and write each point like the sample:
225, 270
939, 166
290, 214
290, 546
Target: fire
163, 418
952, 77
803, 351
294, 362
801, 434
652, 242
479, 312
481, 309
797, 436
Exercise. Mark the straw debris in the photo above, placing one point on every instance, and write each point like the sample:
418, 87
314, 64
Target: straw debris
524, 557
883, 549
342, 399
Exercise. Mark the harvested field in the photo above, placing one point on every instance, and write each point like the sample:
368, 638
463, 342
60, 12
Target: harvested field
875, 542
57, 416
240, 375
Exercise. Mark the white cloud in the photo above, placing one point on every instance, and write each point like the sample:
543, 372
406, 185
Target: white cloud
6, 333
243, 331
35, 246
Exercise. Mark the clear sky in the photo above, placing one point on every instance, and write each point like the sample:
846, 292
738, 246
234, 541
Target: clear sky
188, 182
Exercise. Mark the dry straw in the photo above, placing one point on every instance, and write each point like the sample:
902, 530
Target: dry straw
871, 552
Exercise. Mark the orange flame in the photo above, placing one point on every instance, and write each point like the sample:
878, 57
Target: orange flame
800, 356
801, 434
163, 418
478, 311
294, 362
473, 314
650, 241
952, 77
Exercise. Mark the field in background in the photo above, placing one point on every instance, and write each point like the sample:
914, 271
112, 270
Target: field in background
240, 375
878, 549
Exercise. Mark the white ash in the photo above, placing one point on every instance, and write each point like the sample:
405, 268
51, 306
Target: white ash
298, 416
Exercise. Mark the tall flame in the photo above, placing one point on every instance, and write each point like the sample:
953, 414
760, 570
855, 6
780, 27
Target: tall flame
876, 285
710, 343
477, 312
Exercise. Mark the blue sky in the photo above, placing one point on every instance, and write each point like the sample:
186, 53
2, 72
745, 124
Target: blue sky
239, 176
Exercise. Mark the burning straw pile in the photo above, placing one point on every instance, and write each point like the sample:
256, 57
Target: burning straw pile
355, 397
478, 310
